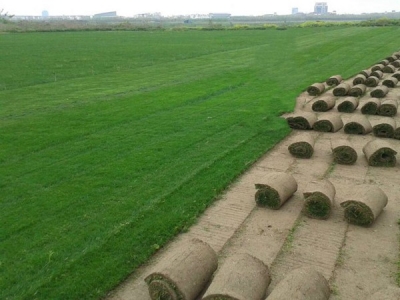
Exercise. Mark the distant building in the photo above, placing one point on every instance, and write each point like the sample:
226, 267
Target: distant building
220, 16
295, 10
321, 8
111, 14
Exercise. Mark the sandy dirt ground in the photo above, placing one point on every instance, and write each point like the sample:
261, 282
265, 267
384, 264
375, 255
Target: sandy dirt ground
357, 261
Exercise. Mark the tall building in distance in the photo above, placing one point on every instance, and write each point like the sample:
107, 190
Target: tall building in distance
320, 8
295, 10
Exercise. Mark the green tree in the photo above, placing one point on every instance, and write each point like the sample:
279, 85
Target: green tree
5, 16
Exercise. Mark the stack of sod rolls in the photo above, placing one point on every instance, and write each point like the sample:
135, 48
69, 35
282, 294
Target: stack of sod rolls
185, 274
302, 146
302, 284
365, 205
371, 107
241, 277
328, 123
275, 189
319, 199
358, 124
343, 152
379, 153
302, 120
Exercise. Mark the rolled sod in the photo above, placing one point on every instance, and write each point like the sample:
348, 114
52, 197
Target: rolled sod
384, 127
379, 153
342, 89
185, 274
388, 108
316, 89
366, 73
302, 121
384, 62
302, 146
379, 91
359, 79
319, 199
365, 205
357, 90
276, 188
389, 69
391, 58
371, 106
328, 123
377, 74
358, 124
397, 54
396, 134
396, 63
372, 81
241, 277
324, 103
343, 152
390, 82
302, 284
334, 80
387, 293
396, 75
377, 67
348, 104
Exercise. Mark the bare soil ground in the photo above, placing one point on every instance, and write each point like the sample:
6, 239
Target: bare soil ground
357, 261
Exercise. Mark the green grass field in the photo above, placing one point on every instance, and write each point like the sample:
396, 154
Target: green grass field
114, 142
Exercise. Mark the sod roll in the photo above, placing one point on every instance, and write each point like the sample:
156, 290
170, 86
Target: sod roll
302, 120
334, 80
389, 69
387, 293
359, 79
357, 90
328, 123
341, 90
390, 82
388, 108
319, 199
377, 67
302, 146
372, 81
379, 153
324, 103
365, 205
316, 89
379, 91
348, 104
396, 134
371, 106
384, 62
241, 277
384, 127
343, 152
396, 63
377, 74
302, 284
396, 75
276, 188
366, 73
358, 124
391, 58
185, 274
397, 54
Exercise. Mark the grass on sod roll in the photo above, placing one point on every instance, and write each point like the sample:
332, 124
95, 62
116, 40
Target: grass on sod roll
114, 142
317, 206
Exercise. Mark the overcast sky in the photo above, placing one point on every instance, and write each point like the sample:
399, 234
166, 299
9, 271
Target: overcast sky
176, 7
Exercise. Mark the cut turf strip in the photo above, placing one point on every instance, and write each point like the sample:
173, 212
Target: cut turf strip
328, 123
348, 104
358, 124
379, 153
388, 108
302, 146
371, 106
319, 199
275, 189
302, 120
316, 89
343, 152
364, 205
384, 127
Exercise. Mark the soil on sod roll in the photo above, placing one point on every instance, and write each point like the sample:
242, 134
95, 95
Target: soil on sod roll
358, 124
390, 82
377, 74
377, 67
319, 199
366, 73
379, 153
324, 103
389, 69
316, 89
388, 108
359, 79
372, 81
371, 106
241, 277
302, 120
384, 127
348, 104
379, 91
328, 123
357, 90
302, 146
302, 284
274, 189
342, 89
185, 275
334, 80
396, 75
343, 152
365, 205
